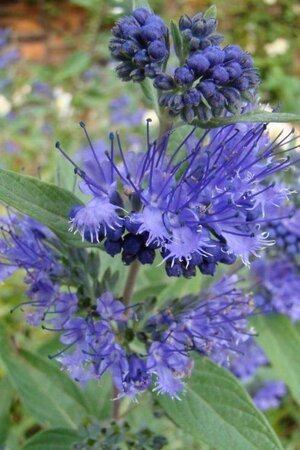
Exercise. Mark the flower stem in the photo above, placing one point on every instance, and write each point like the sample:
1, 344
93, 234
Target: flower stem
130, 282
116, 404
127, 294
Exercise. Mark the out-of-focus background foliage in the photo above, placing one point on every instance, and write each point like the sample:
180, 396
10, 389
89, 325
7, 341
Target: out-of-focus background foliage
55, 70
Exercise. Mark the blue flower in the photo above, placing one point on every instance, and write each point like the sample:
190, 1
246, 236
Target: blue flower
30, 246
24, 245
213, 323
140, 42
201, 204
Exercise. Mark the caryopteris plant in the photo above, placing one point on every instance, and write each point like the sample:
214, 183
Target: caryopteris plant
188, 208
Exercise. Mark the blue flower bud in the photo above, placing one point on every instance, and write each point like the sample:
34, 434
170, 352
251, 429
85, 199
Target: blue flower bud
157, 50
113, 247
141, 58
131, 226
173, 270
220, 75
233, 53
137, 75
152, 70
207, 89
234, 70
241, 84
187, 114
164, 82
183, 75
185, 22
189, 271
215, 55
198, 63
146, 256
141, 15
192, 97
132, 244
207, 268
137, 41
124, 70
151, 32
115, 234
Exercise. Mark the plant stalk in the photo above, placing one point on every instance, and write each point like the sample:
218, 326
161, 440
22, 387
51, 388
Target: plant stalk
130, 282
127, 294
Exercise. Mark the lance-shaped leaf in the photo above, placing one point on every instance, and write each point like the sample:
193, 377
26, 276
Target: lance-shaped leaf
44, 390
6, 397
150, 94
211, 12
217, 410
177, 41
56, 439
47, 203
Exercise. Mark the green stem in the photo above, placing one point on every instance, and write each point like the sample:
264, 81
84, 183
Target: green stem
116, 404
127, 294
130, 282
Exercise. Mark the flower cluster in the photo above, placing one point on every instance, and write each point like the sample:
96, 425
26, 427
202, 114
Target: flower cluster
100, 333
286, 234
277, 273
210, 82
200, 204
140, 42
28, 245
213, 324
199, 31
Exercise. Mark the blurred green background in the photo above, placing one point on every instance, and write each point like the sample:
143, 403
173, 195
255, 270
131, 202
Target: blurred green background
64, 74
55, 70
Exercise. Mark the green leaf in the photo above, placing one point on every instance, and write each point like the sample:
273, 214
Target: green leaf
150, 93
217, 410
57, 439
98, 394
45, 391
177, 40
6, 397
253, 117
44, 202
211, 12
281, 343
